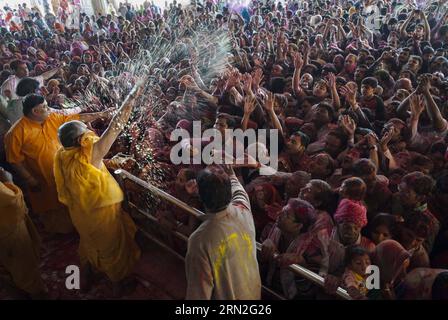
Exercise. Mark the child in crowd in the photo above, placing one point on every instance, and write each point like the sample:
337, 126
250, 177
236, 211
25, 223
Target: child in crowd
354, 279
370, 100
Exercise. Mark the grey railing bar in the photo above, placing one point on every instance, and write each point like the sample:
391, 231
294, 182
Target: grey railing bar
299, 270
181, 237
154, 219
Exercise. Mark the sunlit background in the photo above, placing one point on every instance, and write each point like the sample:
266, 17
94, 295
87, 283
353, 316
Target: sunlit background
14, 3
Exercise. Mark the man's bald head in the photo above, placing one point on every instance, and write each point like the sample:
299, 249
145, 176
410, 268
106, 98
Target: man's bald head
70, 132
404, 83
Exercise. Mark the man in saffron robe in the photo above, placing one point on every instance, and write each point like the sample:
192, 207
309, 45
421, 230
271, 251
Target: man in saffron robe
31, 144
19, 241
94, 198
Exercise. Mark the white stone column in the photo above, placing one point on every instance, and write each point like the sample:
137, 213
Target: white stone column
99, 6
86, 7
114, 4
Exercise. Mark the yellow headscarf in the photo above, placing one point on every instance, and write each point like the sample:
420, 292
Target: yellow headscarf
79, 183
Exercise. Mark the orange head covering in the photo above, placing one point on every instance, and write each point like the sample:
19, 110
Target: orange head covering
59, 27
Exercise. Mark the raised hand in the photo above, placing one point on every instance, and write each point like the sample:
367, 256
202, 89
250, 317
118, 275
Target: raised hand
247, 83
258, 61
298, 60
44, 91
385, 139
249, 104
279, 38
189, 82
371, 138
364, 43
306, 47
257, 77
269, 102
332, 80
348, 125
234, 78
350, 94
319, 41
424, 85
417, 105
236, 74
227, 168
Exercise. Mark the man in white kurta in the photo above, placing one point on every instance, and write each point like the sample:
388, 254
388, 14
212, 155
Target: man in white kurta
221, 261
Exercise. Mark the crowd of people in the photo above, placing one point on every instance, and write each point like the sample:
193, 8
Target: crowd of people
358, 91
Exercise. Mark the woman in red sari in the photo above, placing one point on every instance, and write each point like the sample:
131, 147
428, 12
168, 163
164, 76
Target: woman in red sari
265, 200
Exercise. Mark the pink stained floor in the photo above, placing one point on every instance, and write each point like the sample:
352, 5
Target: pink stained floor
159, 274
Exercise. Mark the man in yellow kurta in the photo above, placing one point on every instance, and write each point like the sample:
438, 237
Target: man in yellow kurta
19, 241
94, 197
31, 145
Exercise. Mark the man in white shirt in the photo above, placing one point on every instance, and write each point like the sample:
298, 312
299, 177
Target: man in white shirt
8, 89
221, 261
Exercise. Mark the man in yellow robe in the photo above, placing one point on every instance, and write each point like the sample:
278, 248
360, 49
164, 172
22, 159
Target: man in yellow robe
19, 241
31, 145
94, 198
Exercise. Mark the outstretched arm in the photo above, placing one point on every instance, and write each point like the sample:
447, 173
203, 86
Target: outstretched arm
436, 117
269, 106
102, 147
384, 144
47, 75
427, 27
249, 107
402, 109
239, 194
336, 101
417, 108
404, 26
341, 32
89, 117
190, 83
298, 63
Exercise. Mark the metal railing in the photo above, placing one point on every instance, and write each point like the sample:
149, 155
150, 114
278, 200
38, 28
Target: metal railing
297, 269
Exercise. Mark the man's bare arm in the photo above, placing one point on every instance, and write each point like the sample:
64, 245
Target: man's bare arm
102, 147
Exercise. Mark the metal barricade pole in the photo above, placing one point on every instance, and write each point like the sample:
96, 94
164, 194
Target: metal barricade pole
297, 269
